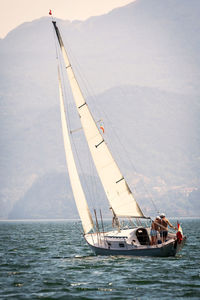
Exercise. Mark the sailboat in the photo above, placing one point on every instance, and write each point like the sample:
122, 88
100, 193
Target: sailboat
134, 239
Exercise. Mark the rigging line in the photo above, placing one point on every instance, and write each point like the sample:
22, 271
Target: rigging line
127, 155
120, 143
92, 96
90, 188
84, 79
93, 179
59, 59
96, 107
85, 82
90, 191
94, 182
68, 48
132, 165
59, 62
72, 58
71, 135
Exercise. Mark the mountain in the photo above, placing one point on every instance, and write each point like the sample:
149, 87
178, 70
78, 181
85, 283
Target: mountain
41, 201
142, 61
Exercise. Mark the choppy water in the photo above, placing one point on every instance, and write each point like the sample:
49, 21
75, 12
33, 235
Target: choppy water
50, 260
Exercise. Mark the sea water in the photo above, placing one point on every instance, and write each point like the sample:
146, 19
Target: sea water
51, 260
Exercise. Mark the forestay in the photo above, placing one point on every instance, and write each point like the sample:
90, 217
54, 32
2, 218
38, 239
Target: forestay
78, 193
118, 193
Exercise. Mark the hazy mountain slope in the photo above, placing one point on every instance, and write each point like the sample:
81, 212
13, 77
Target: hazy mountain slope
142, 60
51, 197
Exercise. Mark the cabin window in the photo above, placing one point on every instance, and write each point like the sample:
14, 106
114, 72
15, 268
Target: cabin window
121, 245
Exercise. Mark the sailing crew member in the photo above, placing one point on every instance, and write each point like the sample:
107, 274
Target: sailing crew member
164, 227
154, 229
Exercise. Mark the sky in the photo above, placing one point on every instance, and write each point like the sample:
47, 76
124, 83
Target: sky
16, 12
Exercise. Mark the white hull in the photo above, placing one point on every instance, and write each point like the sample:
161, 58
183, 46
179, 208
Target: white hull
127, 243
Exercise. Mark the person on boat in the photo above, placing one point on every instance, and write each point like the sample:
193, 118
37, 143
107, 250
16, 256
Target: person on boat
154, 229
164, 227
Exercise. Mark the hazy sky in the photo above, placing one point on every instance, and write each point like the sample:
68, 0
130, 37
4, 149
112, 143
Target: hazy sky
15, 12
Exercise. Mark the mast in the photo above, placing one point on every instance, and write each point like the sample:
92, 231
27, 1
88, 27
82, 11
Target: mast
78, 193
120, 197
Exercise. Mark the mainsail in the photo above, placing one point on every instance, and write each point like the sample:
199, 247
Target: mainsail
116, 188
78, 193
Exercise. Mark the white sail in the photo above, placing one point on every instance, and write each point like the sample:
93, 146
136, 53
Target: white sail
118, 193
78, 193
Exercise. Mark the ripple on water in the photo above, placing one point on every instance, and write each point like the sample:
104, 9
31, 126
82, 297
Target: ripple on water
50, 260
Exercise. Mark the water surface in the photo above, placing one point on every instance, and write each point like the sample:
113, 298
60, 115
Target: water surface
50, 260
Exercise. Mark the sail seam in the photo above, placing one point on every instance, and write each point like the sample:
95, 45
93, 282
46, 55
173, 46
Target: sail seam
99, 144
82, 105
120, 180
